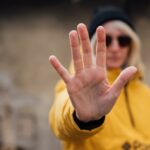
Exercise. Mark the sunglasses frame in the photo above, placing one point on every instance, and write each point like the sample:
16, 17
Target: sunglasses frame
123, 40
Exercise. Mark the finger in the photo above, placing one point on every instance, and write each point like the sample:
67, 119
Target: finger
85, 42
75, 49
101, 47
59, 68
122, 79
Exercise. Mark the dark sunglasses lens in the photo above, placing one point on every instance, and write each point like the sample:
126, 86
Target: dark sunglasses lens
124, 41
108, 40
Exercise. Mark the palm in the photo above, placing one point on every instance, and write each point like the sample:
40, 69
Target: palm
89, 90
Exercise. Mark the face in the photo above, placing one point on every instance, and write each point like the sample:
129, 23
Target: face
116, 53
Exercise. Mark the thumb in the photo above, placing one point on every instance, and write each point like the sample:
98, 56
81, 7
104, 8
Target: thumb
122, 79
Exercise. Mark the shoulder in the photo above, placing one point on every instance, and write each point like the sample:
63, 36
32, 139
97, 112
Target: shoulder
139, 87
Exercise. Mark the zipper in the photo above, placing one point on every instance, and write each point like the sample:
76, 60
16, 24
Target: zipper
128, 106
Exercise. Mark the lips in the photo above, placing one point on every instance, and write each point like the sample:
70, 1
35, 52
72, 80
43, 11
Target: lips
114, 58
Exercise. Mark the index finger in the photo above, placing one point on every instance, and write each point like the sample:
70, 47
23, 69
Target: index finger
101, 47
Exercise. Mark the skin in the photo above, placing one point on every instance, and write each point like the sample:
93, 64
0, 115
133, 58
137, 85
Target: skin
90, 93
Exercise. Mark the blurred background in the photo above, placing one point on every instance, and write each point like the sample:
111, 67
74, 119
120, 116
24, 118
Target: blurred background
30, 31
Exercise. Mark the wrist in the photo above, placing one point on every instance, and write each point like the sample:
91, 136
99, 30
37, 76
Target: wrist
86, 119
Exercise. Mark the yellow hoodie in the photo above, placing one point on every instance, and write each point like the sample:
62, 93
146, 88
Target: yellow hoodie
126, 127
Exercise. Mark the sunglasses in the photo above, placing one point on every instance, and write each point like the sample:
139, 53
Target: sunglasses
123, 40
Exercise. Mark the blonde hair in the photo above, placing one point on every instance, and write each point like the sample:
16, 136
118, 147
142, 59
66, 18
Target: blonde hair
134, 58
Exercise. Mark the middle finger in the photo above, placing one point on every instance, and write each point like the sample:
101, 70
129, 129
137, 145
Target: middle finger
85, 42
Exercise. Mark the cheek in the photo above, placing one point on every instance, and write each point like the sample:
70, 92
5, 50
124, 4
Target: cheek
117, 59
125, 53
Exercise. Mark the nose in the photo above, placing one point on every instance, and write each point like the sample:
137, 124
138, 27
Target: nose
114, 47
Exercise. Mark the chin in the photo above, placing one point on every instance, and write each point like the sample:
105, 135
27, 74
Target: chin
114, 63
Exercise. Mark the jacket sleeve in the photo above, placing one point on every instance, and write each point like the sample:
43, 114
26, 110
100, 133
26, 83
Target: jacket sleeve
61, 118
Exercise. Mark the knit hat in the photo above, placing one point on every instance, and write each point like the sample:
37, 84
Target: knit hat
105, 14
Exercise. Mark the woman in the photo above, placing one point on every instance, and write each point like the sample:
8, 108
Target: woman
104, 104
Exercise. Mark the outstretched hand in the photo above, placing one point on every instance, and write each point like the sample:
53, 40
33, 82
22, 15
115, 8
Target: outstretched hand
90, 93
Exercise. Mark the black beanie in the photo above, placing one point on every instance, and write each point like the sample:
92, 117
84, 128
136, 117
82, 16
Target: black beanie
105, 14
